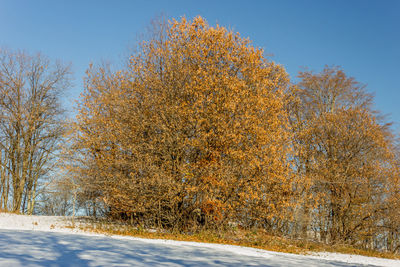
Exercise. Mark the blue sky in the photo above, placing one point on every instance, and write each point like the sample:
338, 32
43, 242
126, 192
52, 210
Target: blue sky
361, 36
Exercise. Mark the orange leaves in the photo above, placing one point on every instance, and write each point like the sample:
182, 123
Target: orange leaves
199, 120
195, 121
214, 209
343, 154
211, 181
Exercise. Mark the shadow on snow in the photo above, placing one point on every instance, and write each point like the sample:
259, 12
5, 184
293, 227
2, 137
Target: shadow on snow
35, 248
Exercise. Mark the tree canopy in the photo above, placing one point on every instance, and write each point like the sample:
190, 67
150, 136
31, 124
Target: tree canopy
192, 132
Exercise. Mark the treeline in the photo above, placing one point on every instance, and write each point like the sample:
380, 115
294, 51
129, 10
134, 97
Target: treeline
200, 131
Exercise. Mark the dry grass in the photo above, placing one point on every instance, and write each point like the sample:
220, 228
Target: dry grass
256, 239
10, 212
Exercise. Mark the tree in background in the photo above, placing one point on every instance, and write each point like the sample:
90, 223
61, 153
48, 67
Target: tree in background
30, 125
193, 133
344, 159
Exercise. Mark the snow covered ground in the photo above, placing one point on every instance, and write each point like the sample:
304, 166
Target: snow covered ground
44, 241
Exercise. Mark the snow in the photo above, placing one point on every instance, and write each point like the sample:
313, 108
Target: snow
49, 241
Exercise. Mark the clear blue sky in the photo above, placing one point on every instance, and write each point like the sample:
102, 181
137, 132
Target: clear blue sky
361, 36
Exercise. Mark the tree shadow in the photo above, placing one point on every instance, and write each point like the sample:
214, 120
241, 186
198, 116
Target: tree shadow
36, 248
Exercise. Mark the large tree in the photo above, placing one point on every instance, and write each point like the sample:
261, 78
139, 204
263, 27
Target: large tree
30, 124
344, 158
192, 132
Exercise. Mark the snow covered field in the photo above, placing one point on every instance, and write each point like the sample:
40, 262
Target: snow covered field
44, 241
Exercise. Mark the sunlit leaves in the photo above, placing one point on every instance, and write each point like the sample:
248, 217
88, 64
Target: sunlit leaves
195, 122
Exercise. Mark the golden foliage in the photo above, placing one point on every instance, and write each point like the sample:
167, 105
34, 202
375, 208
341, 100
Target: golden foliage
344, 159
192, 132
199, 130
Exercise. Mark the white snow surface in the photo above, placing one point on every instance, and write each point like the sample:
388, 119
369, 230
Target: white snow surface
48, 241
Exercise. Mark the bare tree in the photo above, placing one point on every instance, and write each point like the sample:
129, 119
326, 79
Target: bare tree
31, 124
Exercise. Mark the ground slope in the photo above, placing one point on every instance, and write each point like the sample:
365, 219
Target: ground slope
44, 241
